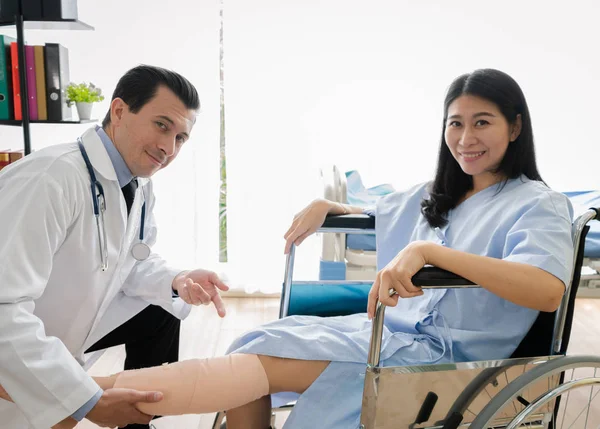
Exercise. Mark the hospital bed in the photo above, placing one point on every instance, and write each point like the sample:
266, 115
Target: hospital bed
353, 257
537, 387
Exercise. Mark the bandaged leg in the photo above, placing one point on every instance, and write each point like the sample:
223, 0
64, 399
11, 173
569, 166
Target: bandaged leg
200, 385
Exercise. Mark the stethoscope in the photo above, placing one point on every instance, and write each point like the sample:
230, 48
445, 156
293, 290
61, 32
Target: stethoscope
140, 251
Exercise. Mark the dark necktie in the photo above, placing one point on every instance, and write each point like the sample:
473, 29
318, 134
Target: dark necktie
129, 193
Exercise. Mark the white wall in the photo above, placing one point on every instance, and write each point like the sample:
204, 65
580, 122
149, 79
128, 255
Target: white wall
362, 84
341, 76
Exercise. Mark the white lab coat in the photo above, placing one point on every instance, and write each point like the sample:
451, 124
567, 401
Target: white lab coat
55, 302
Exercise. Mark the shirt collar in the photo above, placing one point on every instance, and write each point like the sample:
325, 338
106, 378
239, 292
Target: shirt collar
124, 175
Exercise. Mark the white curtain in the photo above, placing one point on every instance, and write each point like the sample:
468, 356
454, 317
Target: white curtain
183, 37
361, 84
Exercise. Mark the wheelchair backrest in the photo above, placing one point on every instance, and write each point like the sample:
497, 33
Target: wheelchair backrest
539, 339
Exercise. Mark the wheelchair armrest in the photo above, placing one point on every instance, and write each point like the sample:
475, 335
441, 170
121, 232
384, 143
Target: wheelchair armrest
354, 221
433, 276
427, 276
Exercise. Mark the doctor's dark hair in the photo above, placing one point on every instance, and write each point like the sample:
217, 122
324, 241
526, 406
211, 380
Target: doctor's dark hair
139, 85
451, 183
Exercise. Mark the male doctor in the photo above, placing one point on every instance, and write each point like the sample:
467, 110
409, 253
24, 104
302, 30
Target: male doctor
73, 282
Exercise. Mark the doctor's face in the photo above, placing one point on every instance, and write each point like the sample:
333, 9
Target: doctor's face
478, 134
151, 138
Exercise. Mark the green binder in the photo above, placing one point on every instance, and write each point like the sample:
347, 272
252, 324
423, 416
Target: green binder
6, 111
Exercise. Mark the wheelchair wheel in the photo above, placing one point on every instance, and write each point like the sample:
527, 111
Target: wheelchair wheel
559, 393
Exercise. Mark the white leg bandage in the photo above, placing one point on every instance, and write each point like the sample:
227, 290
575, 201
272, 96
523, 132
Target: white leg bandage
200, 385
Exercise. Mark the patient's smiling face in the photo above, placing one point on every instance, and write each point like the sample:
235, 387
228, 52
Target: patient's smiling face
478, 134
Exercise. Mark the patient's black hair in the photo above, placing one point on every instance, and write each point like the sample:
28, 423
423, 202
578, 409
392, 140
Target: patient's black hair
451, 183
139, 85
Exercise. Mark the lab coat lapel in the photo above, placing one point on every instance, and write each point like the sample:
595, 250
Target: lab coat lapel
103, 167
119, 229
98, 155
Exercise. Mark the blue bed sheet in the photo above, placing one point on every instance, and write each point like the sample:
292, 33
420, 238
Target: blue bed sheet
583, 200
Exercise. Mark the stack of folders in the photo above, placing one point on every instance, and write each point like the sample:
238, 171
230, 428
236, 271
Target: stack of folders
47, 77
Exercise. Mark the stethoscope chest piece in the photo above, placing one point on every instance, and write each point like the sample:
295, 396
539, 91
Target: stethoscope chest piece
140, 251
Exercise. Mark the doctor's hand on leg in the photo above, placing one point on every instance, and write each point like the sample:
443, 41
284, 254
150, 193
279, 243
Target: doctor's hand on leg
116, 407
200, 287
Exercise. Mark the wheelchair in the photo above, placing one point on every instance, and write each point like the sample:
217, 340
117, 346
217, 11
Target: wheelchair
537, 387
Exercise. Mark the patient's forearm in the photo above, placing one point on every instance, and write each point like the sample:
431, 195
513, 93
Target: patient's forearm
336, 208
519, 283
200, 385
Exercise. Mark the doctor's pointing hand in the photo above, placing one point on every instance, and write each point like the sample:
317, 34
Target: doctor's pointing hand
201, 287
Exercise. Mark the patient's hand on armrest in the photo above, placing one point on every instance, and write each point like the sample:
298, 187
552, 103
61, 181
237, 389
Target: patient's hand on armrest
307, 221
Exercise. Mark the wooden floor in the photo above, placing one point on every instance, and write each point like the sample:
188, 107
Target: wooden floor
204, 334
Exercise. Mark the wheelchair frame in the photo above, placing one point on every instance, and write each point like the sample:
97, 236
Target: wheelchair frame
452, 391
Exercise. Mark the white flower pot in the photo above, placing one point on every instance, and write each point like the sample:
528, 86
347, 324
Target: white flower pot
84, 110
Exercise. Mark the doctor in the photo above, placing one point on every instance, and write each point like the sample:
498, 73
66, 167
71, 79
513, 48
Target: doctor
76, 270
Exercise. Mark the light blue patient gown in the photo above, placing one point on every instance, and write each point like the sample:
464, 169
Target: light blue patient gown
523, 222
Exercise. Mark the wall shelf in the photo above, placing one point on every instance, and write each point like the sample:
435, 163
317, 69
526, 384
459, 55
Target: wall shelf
21, 23
19, 123
42, 24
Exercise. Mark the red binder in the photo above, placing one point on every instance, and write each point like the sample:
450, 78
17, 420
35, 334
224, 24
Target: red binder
14, 58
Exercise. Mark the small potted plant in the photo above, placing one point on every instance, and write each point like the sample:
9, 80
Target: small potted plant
83, 95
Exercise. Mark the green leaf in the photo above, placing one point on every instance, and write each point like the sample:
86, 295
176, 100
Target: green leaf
83, 93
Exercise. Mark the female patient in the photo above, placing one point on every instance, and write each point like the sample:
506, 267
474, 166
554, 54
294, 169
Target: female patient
487, 216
